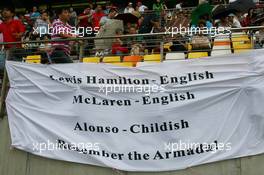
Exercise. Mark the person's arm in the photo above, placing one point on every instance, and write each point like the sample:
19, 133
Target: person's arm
84, 16
21, 30
164, 7
154, 7
62, 31
1, 28
35, 26
66, 35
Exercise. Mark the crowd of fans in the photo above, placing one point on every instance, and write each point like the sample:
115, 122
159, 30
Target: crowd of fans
29, 25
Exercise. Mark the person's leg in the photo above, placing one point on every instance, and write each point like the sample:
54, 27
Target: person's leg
16, 54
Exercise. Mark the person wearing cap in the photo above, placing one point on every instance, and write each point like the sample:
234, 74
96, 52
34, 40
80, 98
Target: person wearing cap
129, 8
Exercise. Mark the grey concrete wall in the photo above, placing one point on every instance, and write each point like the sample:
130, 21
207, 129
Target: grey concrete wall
16, 162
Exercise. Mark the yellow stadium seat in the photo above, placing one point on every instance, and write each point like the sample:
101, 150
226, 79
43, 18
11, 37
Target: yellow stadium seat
112, 59
33, 59
91, 60
167, 46
189, 46
152, 58
241, 43
197, 55
125, 64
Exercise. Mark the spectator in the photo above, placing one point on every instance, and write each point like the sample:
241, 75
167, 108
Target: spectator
179, 44
224, 22
140, 21
85, 21
35, 14
53, 15
1, 35
248, 18
27, 15
136, 12
133, 40
117, 46
260, 37
158, 6
147, 22
97, 17
157, 28
141, 7
112, 14
207, 20
24, 21
179, 21
73, 17
61, 30
179, 6
109, 6
135, 43
200, 41
153, 42
128, 27
42, 25
85, 18
129, 8
234, 21
11, 29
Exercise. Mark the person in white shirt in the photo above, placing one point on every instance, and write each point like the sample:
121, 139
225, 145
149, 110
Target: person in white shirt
129, 8
179, 6
234, 21
141, 7
112, 14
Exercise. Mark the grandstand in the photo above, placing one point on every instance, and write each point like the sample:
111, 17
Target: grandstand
122, 35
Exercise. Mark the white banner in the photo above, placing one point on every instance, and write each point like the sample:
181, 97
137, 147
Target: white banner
156, 117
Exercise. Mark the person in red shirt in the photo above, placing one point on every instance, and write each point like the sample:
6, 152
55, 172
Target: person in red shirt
117, 46
11, 28
97, 17
85, 18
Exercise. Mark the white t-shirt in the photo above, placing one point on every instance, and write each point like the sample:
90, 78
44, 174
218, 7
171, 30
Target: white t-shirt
129, 10
236, 23
178, 7
142, 8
